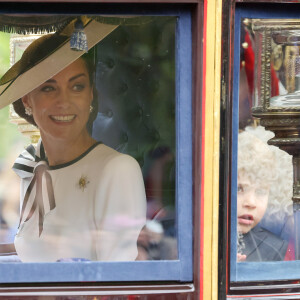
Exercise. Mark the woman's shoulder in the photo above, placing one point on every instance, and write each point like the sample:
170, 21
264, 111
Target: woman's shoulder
112, 158
113, 165
98, 157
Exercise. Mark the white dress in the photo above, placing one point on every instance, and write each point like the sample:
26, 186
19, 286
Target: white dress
100, 210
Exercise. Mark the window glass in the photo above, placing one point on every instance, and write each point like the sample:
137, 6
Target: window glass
135, 88
264, 235
13, 143
264, 172
136, 82
141, 99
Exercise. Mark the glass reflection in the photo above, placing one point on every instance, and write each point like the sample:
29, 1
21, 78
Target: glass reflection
262, 225
285, 61
135, 78
264, 207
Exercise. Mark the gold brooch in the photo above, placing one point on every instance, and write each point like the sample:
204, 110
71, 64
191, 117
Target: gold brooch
83, 182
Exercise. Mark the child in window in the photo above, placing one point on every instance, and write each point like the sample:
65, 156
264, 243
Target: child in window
257, 175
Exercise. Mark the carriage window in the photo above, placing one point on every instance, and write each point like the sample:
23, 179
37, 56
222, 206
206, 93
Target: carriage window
131, 83
265, 170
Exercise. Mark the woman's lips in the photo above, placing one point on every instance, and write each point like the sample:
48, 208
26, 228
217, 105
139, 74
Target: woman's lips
63, 118
245, 220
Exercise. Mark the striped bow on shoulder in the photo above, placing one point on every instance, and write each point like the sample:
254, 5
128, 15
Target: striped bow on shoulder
32, 163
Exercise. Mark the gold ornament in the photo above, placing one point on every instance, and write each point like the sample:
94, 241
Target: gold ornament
83, 182
277, 57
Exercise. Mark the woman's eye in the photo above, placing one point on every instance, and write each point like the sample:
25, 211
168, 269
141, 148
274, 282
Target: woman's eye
78, 87
47, 88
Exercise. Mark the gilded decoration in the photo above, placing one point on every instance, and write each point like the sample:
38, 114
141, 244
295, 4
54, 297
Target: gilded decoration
277, 57
281, 122
18, 43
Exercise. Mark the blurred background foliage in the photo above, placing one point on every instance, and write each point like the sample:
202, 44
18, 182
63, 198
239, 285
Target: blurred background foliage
11, 143
9, 134
5, 52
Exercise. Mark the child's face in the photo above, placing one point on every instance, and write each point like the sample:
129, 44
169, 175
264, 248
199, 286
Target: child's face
252, 202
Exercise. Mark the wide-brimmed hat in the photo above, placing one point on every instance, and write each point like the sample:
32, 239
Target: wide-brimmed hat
46, 57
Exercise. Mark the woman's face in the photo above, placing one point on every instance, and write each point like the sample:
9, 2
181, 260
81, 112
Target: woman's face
252, 202
61, 105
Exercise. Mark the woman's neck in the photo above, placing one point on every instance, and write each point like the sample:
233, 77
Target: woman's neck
62, 151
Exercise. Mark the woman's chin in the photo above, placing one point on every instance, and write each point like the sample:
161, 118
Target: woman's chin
58, 136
